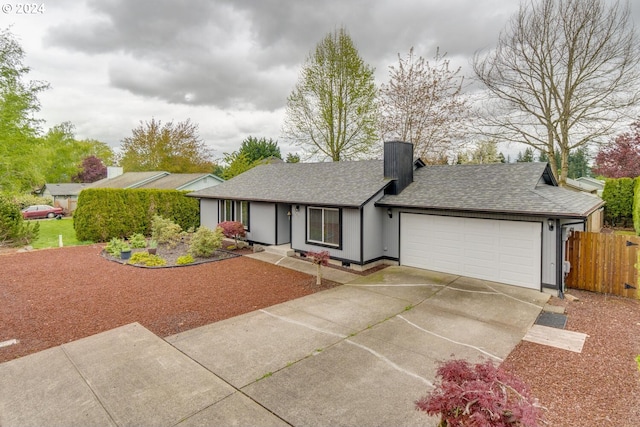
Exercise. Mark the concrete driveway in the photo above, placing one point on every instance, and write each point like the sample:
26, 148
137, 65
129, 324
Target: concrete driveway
356, 355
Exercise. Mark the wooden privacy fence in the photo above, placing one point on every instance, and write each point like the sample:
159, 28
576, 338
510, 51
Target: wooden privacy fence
605, 263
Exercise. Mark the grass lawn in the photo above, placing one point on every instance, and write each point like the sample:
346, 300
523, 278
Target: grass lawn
50, 229
625, 232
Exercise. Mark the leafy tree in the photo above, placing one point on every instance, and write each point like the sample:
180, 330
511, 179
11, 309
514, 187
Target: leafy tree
527, 157
257, 149
502, 158
60, 151
64, 154
20, 159
237, 163
620, 157
332, 110
92, 170
423, 104
292, 158
563, 74
484, 152
175, 148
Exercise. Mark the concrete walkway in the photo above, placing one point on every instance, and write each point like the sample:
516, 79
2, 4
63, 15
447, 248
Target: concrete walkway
355, 355
293, 263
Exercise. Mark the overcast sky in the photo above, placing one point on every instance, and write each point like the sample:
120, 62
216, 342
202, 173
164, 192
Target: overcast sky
228, 65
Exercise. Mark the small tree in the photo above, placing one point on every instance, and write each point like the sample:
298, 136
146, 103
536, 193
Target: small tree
319, 259
13, 229
233, 230
481, 395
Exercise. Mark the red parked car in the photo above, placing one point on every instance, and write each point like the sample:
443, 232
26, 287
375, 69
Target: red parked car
41, 211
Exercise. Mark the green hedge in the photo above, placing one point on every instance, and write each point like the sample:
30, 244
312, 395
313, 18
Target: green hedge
104, 213
636, 208
618, 195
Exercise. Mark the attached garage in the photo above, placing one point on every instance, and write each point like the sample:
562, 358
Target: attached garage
496, 250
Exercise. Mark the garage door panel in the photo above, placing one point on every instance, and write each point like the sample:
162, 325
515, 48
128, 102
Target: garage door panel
496, 250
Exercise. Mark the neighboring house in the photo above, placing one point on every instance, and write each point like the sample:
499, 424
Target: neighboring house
576, 185
499, 222
160, 180
63, 195
597, 183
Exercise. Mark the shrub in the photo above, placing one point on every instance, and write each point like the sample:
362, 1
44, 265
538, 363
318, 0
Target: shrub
480, 395
115, 246
137, 240
103, 213
205, 241
165, 231
147, 259
13, 229
636, 207
184, 259
618, 195
233, 230
24, 200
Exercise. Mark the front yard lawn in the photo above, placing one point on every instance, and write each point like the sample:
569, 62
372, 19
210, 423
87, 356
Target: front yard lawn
51, 229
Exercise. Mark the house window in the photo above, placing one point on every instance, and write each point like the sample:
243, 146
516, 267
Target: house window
242, 213
323, 226
226, 210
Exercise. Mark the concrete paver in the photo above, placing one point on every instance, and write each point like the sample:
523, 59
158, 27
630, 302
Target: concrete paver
359, 354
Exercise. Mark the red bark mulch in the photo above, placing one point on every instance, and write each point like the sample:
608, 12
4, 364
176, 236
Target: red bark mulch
54, 296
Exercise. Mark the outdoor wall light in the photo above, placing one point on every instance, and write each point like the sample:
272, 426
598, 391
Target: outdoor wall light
297, 208
550, 223
389, 212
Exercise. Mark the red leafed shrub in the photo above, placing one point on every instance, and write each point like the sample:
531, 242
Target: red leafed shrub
480, 395
233, 230
320, 258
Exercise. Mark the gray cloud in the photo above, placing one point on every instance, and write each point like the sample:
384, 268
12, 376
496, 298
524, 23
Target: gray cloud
247, 54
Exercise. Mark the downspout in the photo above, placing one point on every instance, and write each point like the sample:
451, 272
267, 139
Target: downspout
559, 260
560, 252
361, 209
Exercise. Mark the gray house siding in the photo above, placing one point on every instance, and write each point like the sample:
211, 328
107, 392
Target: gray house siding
209, 213
373, 221
350, 235
262, 220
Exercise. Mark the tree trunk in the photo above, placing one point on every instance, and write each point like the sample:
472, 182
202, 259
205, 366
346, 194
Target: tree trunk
319, 275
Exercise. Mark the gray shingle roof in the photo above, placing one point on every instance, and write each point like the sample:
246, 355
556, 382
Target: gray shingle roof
331, 183
174, 181
500, 188
65, 189
128, 179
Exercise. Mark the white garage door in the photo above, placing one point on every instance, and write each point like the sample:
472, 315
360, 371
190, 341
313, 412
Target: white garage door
495, 250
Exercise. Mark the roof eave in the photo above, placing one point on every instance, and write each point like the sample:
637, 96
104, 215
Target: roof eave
542, 214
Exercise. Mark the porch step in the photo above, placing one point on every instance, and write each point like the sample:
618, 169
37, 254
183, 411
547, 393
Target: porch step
282, 250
